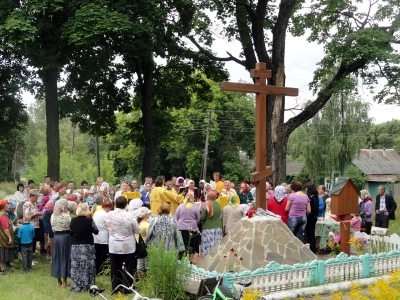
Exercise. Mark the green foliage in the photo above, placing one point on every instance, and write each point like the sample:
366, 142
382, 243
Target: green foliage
166, 277
360, 40
330, 140
385, 135
356, 175
183, 137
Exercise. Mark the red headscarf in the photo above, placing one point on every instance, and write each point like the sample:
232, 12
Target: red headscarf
246, 189
60, 187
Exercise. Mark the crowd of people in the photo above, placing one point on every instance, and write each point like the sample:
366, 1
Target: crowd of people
81, 229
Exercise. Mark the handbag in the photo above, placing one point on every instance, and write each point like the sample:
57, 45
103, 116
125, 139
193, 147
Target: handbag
181, 244
141, 248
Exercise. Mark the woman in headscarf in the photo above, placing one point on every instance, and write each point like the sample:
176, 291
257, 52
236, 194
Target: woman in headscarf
48, 231
6, 238
228, 190
212, 224
61, 254
97, 201
72, 206
244, 193
134, 205
188, 217
231, 214
277, 204
143, 215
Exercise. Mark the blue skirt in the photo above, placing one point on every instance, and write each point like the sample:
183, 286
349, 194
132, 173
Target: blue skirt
61, 256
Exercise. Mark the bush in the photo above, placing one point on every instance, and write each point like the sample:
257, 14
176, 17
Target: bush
7, 188
166, 277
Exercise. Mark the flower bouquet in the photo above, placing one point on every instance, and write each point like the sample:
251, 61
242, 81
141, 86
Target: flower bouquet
334, 243
358, 244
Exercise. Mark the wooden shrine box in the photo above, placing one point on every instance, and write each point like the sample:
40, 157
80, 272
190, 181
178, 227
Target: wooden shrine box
344, 198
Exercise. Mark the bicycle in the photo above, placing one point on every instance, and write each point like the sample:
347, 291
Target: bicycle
221, 292
96, 291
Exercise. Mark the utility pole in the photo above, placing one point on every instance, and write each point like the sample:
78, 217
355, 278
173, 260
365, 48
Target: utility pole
73, 140
206, 146
98, 156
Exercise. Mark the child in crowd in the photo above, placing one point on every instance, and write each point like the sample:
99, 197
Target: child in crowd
355, 222
26, 234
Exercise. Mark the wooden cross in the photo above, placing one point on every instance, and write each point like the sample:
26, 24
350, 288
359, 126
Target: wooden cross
261, 89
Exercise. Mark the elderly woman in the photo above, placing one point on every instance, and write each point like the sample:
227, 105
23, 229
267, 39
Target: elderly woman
163, 227
83, 266
277, 204
10, 213
212, 224
143, 215
122, 227
188, 217
134, 204
97, 201
244, 193
101, 239
61, 255
231, 214
48, 231
368, 209
298, 206
72, 207
6, 238
228, 190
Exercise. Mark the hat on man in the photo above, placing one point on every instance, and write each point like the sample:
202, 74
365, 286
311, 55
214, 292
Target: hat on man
33, 192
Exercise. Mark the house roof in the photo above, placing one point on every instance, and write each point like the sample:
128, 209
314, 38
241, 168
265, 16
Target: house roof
339, 185
293, 167
378, 162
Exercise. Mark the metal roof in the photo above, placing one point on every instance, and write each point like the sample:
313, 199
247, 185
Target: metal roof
378, 161
339, 185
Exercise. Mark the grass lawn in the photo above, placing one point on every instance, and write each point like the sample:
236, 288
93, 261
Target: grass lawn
39, 285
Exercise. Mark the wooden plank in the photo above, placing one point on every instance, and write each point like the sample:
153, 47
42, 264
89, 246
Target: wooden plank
257, 176
259, 89
260, 73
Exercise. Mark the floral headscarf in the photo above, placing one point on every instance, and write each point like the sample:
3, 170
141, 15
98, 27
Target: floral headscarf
49, 205
280, 193
232, 201
44, 202
60, 207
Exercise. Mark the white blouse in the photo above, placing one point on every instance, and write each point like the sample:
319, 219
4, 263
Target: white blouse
122, 228
99, 219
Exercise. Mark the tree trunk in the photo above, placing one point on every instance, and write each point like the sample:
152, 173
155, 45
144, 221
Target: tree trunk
49, 78
146, 86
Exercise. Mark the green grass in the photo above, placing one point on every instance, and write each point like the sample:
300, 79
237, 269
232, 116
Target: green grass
39, 285
7, 188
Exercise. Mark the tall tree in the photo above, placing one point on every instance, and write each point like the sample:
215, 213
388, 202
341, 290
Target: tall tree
333, 137
356, 41
139, 34
34, 30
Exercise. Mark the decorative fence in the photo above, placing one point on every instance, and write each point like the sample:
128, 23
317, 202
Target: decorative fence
275, 277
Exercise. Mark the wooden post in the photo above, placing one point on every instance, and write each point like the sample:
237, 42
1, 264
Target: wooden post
345, 236
261, 139
261, 89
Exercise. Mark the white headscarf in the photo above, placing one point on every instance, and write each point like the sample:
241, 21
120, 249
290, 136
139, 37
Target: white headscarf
280, 193
134, 204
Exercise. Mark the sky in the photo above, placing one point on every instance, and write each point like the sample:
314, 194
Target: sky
301, 62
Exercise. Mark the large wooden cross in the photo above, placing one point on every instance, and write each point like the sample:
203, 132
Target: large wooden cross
261, 89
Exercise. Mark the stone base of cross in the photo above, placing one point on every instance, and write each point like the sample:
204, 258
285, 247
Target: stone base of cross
260, 75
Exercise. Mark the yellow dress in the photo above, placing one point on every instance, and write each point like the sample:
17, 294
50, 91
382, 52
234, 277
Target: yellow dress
159, 195
219, 185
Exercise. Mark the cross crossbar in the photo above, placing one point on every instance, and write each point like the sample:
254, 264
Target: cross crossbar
259, 89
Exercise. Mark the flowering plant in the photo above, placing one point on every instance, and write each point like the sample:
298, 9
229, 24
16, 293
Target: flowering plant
231, 260
358, 244
334, 243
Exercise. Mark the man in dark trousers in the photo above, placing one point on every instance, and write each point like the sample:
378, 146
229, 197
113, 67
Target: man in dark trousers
385, 206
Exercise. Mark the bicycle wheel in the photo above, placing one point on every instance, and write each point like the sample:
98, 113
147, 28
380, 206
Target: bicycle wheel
225, 291
207, 297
